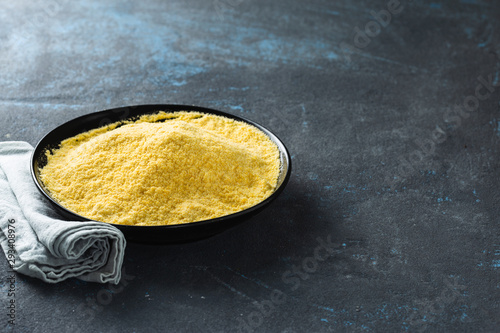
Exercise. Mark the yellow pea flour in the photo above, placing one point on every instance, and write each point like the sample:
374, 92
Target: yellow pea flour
167, 168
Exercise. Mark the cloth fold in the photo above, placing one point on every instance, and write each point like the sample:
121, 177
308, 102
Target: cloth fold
47, 246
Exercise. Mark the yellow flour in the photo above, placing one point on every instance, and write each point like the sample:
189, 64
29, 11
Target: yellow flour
167, 168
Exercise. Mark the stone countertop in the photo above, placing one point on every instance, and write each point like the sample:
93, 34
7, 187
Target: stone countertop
390, 221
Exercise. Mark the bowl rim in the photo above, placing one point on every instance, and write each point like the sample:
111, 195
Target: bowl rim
41, 147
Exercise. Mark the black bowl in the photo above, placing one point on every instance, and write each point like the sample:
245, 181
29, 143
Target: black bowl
153, 234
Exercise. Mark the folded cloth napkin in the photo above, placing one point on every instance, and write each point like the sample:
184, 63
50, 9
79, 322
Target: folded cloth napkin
48, 247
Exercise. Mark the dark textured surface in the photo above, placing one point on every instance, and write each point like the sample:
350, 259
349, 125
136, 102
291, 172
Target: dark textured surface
403, 183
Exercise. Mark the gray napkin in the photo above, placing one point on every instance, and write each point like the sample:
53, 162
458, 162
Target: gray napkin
46, 246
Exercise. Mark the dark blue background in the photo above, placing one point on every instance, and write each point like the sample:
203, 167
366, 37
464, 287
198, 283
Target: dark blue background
403, 182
